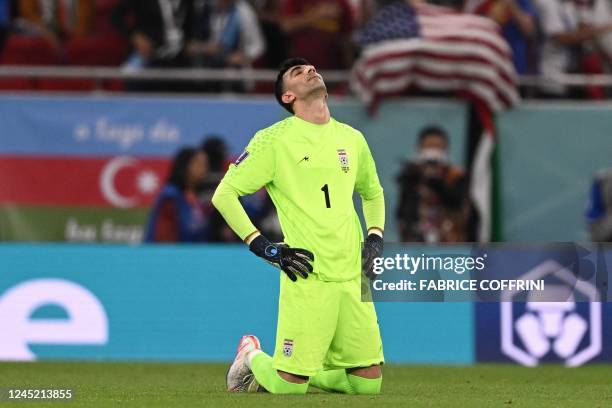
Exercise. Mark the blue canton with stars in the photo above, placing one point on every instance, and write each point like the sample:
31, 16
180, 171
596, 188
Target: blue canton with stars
397, 20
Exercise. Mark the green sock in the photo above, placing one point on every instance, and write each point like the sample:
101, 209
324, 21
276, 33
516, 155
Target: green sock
267, 376
332, 381
365, 385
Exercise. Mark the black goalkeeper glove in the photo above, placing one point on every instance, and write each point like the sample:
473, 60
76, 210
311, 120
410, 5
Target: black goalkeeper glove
292, 261
372, 249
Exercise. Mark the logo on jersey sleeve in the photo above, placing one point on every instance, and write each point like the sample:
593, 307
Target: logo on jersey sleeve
241, 158
344, 162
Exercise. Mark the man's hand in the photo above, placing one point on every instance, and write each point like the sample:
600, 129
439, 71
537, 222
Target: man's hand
292, 261
372, 249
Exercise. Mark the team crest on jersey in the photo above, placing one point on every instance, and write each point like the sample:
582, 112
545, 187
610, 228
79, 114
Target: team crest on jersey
241, 158
344, 162
287, 347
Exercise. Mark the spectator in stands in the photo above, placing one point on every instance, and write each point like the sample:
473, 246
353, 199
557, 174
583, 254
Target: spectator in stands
178, 215
517, 19
56, 20
597, 53
159, 31
269, 14
319, 31
563, 39
227, 34
599, 213
434, 204
596, 13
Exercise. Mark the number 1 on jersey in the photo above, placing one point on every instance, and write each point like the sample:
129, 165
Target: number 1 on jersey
325, 190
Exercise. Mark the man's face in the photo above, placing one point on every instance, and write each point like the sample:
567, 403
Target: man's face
433, 154
301, 81
433, 141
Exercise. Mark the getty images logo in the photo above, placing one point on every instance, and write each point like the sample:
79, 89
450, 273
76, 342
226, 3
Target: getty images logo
87, 323
559, 329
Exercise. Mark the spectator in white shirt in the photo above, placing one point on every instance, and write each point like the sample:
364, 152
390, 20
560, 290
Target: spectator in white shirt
562, 35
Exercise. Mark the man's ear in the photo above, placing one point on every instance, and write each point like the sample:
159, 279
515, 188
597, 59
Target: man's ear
288, 97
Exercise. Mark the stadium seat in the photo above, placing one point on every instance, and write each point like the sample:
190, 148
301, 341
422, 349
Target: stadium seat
108, 50
29, 50
61, 84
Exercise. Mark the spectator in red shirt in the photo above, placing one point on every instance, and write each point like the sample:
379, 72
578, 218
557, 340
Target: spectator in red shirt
319, 31
178, 215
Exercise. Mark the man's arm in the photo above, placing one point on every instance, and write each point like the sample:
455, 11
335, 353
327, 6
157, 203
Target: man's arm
371, 192
373, 203
252, 170
226, 201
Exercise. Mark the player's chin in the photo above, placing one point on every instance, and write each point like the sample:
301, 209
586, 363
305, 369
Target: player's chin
318, 88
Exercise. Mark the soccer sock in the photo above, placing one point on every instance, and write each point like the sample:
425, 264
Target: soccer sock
267, 376
332, 381
365, 385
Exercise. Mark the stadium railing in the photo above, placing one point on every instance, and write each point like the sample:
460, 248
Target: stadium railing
99, 74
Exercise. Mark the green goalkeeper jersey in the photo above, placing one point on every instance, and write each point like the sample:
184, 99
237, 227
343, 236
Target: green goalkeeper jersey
310, 171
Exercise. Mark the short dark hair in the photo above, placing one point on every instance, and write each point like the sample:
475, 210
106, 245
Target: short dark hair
180, 164
432, 130
279, 87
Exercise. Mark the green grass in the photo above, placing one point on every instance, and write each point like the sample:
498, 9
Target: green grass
202, 385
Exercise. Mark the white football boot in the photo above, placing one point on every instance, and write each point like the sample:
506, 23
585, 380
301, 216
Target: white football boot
239, 377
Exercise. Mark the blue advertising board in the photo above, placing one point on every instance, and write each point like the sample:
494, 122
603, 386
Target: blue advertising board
568, 323
567, 333
178, 303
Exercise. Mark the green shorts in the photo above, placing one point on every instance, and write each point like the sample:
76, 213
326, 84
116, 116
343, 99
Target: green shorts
325, 325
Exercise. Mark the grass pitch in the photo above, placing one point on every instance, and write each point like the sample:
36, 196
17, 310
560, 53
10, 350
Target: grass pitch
202, 385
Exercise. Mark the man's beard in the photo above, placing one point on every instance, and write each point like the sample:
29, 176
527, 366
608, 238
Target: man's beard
316, 90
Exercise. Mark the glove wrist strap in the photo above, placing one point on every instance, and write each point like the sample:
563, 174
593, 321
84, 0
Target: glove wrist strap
263, 248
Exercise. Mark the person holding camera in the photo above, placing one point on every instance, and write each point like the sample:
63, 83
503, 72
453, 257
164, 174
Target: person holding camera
434, 204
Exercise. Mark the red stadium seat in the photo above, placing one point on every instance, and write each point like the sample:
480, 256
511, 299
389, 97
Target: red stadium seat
29, 50
48, 84
108, 50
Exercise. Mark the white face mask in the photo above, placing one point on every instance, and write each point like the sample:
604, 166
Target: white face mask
432, 155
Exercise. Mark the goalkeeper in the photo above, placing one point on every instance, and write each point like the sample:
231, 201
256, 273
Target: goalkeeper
310, 164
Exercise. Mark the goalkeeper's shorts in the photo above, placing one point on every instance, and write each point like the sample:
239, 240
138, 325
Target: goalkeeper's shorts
325, 325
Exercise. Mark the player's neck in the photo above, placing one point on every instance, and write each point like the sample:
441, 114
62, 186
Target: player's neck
314, 111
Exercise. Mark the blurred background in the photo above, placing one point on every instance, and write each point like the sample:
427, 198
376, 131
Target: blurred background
489, 122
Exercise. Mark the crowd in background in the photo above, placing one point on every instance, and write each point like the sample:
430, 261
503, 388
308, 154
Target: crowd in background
546, 36
183, 210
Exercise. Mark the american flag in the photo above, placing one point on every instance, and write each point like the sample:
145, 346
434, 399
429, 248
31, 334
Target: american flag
435, 49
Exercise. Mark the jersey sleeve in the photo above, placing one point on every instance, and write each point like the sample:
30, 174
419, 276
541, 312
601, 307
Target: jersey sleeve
253, 169
368, 187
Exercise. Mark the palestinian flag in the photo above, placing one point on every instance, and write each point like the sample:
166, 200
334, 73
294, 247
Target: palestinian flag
483, 165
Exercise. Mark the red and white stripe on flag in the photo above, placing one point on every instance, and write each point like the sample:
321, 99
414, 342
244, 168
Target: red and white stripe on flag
455, 52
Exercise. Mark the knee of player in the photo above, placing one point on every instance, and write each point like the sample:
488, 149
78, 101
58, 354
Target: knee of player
365, 386
286, 383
